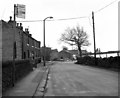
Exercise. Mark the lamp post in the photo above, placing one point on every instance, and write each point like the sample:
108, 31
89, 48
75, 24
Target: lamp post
44, 39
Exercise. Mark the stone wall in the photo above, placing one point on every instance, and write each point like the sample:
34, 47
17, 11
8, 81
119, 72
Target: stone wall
7, 41
0, 41
18, 39
0, 58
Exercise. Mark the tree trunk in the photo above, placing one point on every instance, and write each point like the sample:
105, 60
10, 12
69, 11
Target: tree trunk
80, 51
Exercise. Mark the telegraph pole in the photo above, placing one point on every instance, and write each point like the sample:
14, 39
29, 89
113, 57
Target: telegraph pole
94, 38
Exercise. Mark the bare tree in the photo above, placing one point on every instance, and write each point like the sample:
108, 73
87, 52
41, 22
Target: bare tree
75, 36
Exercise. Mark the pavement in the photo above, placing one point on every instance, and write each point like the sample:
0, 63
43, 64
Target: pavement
27, 86
0, 80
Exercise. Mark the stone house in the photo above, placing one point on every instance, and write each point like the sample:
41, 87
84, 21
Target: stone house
65, 55
18, 42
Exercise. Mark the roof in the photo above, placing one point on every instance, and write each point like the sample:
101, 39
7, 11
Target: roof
65, 51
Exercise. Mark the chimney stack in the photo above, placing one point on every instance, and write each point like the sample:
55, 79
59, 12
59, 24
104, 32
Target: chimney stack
10, 18
26, 30
21, 27
17, 24
20, 24
11, 21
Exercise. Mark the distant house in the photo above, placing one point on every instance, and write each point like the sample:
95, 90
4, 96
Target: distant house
47, 53
65, 55
54, 55
84, 52
70, 54
76, 52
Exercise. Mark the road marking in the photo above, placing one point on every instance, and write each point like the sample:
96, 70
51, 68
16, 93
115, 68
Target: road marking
55, 85
19, 91
85, 91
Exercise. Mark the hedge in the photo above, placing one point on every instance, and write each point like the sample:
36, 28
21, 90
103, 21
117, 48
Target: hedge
111, 62
22, 67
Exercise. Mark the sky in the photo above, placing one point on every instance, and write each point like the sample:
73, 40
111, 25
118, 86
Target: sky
106, 20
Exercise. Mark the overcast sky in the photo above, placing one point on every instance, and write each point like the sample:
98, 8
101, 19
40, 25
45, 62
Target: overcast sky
106, 20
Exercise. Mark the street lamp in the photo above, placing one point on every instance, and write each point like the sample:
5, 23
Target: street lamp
44, 39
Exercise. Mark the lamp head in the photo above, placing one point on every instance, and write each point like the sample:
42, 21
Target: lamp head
51, 17
48, 17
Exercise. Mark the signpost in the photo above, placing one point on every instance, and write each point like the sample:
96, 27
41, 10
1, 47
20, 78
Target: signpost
19, 11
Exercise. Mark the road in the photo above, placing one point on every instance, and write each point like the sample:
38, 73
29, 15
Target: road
69, 79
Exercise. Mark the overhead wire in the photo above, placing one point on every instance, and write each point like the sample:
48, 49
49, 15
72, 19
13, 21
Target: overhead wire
105, 6
73, 17
30, 21
54, 19
101, 10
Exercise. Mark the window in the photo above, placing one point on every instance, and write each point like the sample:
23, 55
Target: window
33, 43
39, 45
36, 53
28, 40
33, 54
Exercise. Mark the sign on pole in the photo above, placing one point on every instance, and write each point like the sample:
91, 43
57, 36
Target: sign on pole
20, 11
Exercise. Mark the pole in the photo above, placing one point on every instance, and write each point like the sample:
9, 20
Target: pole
94, 38
14, 12
44, 50
14, 27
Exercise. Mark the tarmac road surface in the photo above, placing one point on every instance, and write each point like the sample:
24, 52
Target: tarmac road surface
69, 79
